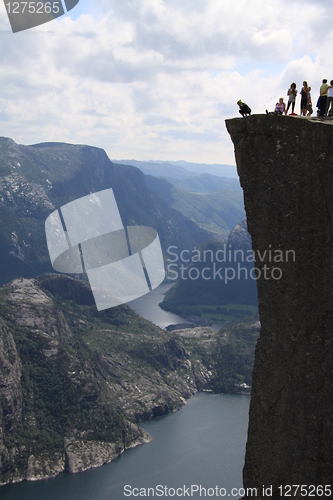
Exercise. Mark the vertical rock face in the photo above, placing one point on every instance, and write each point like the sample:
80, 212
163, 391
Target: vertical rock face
285, 166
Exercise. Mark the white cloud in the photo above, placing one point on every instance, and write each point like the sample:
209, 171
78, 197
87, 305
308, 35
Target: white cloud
156, 79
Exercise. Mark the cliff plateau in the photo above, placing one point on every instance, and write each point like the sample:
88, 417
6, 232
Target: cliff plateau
285, 166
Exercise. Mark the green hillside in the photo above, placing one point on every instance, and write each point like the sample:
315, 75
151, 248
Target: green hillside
229, 353
217, 212
217, 280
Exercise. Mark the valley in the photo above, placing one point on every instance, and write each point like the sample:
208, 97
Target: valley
75, 383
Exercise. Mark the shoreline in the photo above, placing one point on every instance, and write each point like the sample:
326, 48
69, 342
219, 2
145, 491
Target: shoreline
73, 458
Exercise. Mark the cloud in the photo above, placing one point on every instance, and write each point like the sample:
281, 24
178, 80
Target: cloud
157, 79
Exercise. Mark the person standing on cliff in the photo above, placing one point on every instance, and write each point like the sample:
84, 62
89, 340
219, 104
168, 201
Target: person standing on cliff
305, 96
309, 106
292, 93
323, 97
330, 100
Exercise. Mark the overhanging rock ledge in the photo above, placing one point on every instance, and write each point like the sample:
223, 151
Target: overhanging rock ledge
285, 165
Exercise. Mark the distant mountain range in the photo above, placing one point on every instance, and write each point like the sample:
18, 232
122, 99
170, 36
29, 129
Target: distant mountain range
206, 183
209, 168
181, 169
213, 202
215, 210
186, 209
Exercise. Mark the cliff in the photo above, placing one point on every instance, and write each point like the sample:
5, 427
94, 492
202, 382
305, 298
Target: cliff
285, 166
75, 383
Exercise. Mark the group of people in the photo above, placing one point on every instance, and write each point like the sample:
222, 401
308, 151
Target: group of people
324, 103
306, 101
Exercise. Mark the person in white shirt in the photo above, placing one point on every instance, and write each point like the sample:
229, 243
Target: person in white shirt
292, 93
280, 107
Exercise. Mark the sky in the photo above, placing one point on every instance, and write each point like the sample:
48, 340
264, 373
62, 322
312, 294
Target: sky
156, 79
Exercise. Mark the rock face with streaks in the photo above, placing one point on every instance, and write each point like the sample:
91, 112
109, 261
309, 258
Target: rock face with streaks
285, 166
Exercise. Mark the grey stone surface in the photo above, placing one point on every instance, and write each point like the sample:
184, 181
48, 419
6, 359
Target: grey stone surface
285, 165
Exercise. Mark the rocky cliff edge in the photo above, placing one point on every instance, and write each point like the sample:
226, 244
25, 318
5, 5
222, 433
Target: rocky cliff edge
285, 165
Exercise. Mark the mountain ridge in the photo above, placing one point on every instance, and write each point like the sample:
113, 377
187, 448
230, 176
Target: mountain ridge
217, 212
181, 169
34, 181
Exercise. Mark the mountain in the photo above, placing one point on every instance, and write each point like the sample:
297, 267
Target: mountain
206, 183
285, 166
229, 353
181, 169
217, 169
75, 382
158, 169
35, 180
214, 211
213, 277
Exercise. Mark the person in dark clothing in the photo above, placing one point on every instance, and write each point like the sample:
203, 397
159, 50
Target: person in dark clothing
244, 109
305, 96
323, 97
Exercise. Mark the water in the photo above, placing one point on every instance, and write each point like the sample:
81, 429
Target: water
147, 306
203, 445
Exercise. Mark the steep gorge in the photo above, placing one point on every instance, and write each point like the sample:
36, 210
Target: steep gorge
285, 165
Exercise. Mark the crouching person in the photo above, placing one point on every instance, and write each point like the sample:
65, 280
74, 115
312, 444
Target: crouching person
244, 108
